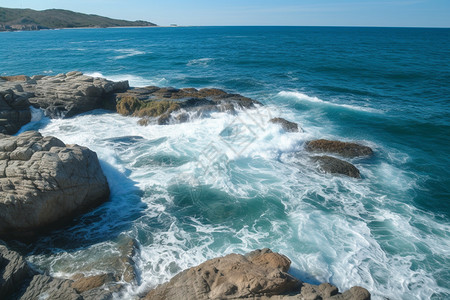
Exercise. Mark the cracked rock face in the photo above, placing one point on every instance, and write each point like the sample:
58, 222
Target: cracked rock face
230, 277
261, 274
44, 181
66, 95
14, 109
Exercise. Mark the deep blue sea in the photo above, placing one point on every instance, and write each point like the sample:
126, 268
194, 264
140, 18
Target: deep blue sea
194, 191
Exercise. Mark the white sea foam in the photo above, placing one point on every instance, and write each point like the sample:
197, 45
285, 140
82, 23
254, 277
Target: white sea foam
247, 160
134, 80
127, 53
312, 99
200, 61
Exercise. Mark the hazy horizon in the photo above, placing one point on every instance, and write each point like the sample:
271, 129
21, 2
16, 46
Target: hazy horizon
351, 13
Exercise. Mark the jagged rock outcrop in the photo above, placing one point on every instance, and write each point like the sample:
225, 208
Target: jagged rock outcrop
260, 274
66, 95
19, 281
63, 95
14, 270
169, 104
344, 149
42, 181
334, 165
286, 125
14, 109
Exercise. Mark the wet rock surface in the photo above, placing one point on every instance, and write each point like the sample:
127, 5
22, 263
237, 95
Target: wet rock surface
286, 125
18, 281
344, 149
43, 181
167, 105
334, 165
260, 274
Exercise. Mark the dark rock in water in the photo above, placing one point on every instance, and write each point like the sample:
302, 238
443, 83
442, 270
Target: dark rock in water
344, 149
14, 271
260, 274
336, 166
170, 104
43, 181
14, 110
286, 125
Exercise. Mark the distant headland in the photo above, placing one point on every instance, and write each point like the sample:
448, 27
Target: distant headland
12, 19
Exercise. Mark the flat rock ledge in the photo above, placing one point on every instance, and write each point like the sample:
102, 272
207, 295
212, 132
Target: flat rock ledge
170, 105
344, 149
43, 181
261, 274
72, 93
60, 96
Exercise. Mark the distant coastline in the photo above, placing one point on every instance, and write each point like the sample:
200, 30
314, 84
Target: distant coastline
12, 19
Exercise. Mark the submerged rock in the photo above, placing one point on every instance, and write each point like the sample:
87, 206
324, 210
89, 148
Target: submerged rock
334, 165
166, 104
260, 274
286, 125
42, 181
344, 149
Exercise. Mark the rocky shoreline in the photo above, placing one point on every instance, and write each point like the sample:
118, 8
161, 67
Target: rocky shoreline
44, 181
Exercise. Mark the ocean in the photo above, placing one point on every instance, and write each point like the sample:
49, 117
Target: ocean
234, 183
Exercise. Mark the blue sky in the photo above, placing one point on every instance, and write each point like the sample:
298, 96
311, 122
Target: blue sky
418, 13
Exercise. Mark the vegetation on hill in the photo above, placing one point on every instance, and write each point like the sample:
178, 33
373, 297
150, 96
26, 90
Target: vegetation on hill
28, 19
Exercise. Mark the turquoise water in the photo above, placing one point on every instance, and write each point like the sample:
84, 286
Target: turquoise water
189, 192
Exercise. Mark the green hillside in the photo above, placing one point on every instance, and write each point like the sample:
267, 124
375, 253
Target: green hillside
28, 19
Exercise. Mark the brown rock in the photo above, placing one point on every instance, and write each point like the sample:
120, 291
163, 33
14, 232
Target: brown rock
51, 288
82, 284
286, 125
230, 277
344, 149
15, 78
161, 103
260, 274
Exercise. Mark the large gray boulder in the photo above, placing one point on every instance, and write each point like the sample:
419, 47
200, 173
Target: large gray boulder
42, 181
260, 274
66, 95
